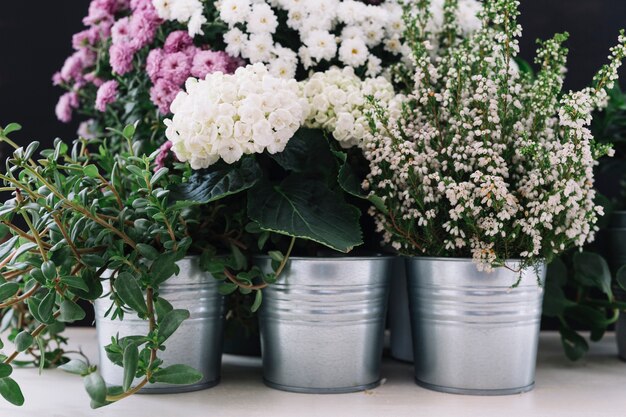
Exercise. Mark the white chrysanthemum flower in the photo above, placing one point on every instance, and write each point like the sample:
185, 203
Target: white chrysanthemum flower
262, 19
321, 45
236, 41
189, 12
353, 52
227, 116
235, 11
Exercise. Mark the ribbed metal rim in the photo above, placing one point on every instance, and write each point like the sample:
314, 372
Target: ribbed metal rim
380, 257
467, 260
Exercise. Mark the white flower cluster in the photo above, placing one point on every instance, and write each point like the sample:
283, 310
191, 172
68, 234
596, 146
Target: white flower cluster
485, 162
227, 116
189, 12
342, 31
338, 102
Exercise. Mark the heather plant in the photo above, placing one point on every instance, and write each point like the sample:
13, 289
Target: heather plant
484, 161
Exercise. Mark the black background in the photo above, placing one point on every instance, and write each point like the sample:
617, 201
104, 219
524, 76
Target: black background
35, 39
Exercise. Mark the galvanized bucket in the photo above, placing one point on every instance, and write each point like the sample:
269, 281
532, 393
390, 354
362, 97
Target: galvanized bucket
399, 318
322, 324
197, 342
472, 332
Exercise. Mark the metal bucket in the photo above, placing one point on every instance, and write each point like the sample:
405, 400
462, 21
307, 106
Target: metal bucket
399, 317
322, 324
472, 332
198, 340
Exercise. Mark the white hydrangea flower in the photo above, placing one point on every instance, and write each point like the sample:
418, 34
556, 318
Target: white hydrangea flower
189, 12
338, 102
227, 116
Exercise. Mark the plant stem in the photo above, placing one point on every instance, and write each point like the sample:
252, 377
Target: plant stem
33, 229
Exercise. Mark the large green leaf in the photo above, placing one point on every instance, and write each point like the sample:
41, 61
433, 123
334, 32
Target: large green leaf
171, 322
575, 345
351, 184
554, 300
308, 153
218, 181
591, 270
306, 209
621, 277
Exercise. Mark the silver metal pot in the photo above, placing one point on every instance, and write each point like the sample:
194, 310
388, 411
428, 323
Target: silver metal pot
322, 324
472, 332
197, 342
399, 317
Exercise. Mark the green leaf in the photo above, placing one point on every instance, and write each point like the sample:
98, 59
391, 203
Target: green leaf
276, 255
23, 341
5, 370
148, 251
70, 312
171, 322
240, 259
575, 345
8, 290
30, 149
163, 268
591, 270
177, 374
91, 171
75, 366
130, 363
227, 288
95, 387
7, 247
94, 261
129, 291
46, 306
49, 270
217, 182
75, 282
351, 184
306, 209
10, 128
11, 391
621, 278
554, 301
309, 154
158, 175
162, 307
129, 131
258, 298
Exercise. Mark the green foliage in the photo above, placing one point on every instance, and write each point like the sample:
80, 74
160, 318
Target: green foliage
93, 217
306, 209
177, 374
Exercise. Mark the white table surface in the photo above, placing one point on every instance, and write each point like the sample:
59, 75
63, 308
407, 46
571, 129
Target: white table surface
592, 387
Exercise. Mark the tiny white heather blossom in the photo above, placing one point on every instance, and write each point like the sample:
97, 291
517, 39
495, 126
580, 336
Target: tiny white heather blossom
480, 161
226, 116
189, 12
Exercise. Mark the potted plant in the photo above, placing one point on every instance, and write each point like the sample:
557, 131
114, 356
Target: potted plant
486, 174
297, 193
99, 227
